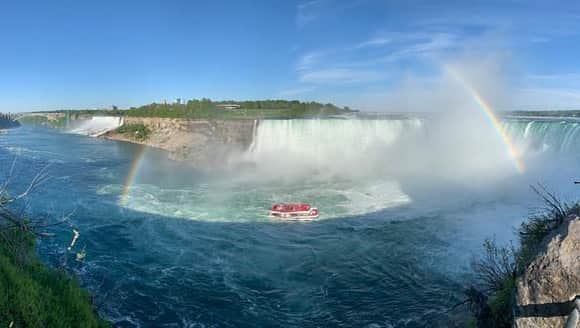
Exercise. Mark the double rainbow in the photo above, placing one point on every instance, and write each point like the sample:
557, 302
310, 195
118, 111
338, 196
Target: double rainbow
512, 150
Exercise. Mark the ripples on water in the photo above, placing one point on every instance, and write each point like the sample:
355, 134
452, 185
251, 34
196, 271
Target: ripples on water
397, 267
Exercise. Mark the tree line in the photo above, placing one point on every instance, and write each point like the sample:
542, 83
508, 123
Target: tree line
206, 108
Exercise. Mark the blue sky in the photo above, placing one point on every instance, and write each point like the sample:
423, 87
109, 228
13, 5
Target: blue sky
79, 54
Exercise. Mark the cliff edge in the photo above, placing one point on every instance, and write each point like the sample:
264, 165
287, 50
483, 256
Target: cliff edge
203, 143
548, 293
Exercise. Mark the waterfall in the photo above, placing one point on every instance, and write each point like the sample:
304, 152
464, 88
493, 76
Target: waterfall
328, 146
540, 135
405, 147
313, 138
98, 125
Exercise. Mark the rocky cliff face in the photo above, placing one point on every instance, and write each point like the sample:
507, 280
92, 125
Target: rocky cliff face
203, 143
547, 292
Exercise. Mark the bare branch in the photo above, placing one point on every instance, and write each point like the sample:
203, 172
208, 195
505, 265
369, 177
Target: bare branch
4, 187
38, 179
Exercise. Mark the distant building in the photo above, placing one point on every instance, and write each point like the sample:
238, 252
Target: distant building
228, 106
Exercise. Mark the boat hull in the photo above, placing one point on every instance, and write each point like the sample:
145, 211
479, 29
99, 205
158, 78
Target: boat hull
295, 215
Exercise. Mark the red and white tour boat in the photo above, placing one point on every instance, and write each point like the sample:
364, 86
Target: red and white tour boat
294, 211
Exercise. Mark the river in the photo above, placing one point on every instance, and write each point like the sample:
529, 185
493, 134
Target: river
405, 205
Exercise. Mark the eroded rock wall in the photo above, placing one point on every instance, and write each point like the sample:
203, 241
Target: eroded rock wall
547, 291
203, 143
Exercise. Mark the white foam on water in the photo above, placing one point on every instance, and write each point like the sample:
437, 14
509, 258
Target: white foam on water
345, 168
243, 203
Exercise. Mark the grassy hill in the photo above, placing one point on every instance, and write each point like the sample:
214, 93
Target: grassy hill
32, 294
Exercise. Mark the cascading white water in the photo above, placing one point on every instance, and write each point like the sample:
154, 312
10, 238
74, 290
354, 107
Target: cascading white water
441, 152
98, 125
312, 137
325, 142
540, 135
322, 141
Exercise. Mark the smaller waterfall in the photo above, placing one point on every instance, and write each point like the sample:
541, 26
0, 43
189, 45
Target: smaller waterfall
98, 125
549, 134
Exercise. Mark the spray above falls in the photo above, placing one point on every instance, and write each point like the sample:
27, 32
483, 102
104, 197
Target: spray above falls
97, 125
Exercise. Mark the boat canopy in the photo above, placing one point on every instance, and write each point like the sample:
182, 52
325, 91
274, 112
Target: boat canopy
291, 207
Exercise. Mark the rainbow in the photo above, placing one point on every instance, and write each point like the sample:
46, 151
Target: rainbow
513, 151
135, 164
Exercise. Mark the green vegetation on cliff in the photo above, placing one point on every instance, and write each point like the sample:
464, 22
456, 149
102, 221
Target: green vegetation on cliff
207, 109
32, 294
137, 131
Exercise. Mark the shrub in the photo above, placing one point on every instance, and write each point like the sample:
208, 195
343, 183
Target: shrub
497, 269
496, 265
502, 302
541, 224
138, 131
495, 272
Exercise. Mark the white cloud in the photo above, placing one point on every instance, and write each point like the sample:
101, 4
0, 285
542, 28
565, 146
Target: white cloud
424, 41
310, 60
339, 76
539, 39
547, 98
375, 42
308, 11
550, 91
423, 45
296, 91
322, 67
444, 92
348, 65
567, 79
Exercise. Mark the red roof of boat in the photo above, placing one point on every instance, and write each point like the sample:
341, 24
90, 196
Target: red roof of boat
291, 207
